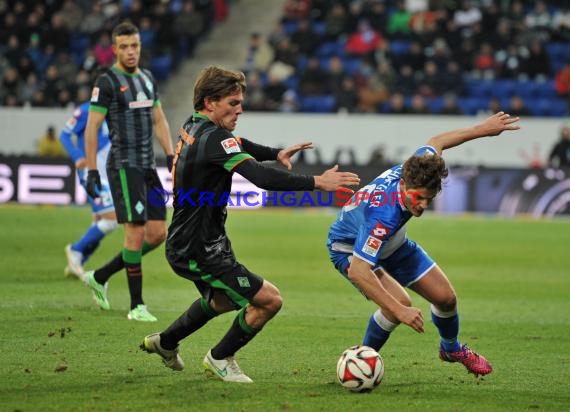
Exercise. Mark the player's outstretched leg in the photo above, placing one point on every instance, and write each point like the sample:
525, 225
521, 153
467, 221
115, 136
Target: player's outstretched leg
475, 363
171, 358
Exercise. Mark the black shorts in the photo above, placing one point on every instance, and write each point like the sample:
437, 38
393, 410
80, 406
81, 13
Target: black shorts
229, 277
130, 188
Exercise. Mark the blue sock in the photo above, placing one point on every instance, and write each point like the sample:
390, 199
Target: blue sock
376, 336
93, 235
447, 323
88, 251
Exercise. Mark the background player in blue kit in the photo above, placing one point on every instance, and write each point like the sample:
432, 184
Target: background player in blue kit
368, 245
104, 219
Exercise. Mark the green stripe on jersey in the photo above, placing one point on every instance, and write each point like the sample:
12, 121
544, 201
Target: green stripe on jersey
98, 109
125, 189
234, 161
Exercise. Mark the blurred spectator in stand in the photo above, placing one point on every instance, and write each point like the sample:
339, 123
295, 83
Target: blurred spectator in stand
418, 105
560, 154
103, 50
415, 57
289, 102
518, 107
561, 24
29, 88
510, 62
453, 79
188, 27
375, 12
304, 39
286, 53
466, 17
336, 74
294, 10
431, 82
53, 84
537, 65
49, 144
71, 15
335, 22
273, 90
94, 21
484, 62
258, 54
364, 41
58, 34
538, 22
11, 83
255, 100
314, 80
397, 104
406, 81
399, 22
450, 106
347, 96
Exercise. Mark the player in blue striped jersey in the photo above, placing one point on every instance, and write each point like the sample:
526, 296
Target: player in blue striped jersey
104, 219
368, 246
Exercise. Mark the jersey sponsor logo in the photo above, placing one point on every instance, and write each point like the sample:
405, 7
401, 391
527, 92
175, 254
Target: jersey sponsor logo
123, 88
77, 112
140, 104
372, 246
95, 94
380, 231
231, 145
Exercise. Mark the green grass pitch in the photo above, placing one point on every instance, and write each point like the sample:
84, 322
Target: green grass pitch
59, 353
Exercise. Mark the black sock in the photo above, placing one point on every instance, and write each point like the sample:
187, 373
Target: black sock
132, 259
103, 274
239, 334
197, 315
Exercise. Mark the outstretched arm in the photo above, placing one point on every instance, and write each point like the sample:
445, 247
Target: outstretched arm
492, 126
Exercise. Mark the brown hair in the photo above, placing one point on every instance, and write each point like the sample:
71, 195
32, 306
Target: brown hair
217, 83
124, 29
426, 171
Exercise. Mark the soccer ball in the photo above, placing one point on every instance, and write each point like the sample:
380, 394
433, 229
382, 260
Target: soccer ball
360, 368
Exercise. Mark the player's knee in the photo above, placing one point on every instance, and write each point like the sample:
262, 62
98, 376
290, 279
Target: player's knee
275, 303
447, 303
156, 237
269, 299
106, 225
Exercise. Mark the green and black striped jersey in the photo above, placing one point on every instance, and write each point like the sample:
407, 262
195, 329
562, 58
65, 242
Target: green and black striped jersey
202, 179
127, 101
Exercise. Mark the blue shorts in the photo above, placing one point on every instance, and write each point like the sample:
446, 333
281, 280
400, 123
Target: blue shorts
408, 264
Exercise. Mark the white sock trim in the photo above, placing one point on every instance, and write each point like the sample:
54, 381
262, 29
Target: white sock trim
442, 314
383, 322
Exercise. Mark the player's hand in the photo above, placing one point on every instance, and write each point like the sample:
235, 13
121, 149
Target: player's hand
169, 162
81, 163
93, 185
332, 180
498, 123
412, 317
284, 156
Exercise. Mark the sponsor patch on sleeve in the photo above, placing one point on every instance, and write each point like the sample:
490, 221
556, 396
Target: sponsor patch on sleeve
95, 95
70, 124
231, 145
372, 246
380, 231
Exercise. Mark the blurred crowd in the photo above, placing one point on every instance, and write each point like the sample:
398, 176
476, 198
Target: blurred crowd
50, 50
414, 56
